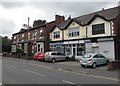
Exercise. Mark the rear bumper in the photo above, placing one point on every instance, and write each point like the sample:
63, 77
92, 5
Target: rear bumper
40, 58
35, 57
86, 64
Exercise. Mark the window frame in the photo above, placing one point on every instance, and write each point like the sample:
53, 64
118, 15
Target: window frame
73, 31
98, 29
56, 34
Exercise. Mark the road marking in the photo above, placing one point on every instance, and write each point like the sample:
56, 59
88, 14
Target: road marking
76, 72
33, 72
79, 73
42, 66
0, 84
68, 82
92, 75
11, 65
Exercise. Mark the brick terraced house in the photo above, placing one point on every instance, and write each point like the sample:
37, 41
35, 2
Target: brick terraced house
35, 39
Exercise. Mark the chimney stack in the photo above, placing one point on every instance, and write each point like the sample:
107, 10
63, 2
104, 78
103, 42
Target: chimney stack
59, 19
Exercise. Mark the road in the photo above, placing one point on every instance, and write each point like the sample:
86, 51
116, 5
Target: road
23, 72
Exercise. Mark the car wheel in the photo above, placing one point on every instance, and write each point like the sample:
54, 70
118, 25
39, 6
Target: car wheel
94, 65
107, 62
53, 60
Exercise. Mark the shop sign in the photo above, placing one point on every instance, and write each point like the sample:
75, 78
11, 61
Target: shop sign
13, 48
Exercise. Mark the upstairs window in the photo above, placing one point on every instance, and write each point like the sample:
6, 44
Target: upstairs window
57, 34
29, 36
14, 37
74, 31
35, 34
22, 35
41, 33
98, 29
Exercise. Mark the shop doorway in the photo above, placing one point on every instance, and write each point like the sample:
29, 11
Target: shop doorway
74, 51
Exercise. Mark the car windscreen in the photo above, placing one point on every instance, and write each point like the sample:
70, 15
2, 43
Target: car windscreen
86, 56
42, 54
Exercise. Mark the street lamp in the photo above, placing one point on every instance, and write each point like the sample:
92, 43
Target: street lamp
28, 34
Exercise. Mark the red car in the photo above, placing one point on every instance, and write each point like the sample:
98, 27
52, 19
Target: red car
36, 55
41, 56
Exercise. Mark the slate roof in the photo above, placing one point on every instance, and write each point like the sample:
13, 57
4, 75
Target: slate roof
108, 14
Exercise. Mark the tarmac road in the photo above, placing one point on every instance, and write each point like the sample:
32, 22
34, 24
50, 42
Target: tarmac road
25, 72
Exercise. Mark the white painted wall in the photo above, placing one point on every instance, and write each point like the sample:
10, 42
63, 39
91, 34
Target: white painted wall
99, 21
82, 30
52, 34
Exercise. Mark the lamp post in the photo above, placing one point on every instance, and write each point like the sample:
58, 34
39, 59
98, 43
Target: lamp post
28, 35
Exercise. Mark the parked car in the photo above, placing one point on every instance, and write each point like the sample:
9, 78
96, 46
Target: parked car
36, 55
93, 59
54, 56
41, 56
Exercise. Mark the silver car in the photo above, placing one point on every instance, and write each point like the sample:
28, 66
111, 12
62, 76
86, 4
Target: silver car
54, 56
92, 59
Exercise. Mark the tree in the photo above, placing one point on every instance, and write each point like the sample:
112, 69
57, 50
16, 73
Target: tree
6, 44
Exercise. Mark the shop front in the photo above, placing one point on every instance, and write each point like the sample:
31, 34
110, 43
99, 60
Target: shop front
69, 48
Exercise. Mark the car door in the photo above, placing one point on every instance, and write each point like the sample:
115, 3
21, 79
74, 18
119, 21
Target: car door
59, 57
96, 59
53, 55
62, 56
103, 60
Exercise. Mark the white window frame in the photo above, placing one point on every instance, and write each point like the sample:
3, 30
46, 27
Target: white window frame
35, 34
73, 31
56, 34
23, 35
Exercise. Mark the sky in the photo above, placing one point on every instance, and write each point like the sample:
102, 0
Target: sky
14, 13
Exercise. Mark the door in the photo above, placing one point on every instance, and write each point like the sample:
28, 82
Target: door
38, 47
73, 51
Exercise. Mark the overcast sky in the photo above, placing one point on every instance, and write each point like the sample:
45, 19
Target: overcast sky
14, 14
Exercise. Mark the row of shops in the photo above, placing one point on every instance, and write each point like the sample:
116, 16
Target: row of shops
105, 46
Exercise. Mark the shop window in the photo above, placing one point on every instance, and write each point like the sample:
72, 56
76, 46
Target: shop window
98, 29
54, 45
70, 45
78, 45
51, 46
74, 45
80, 51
